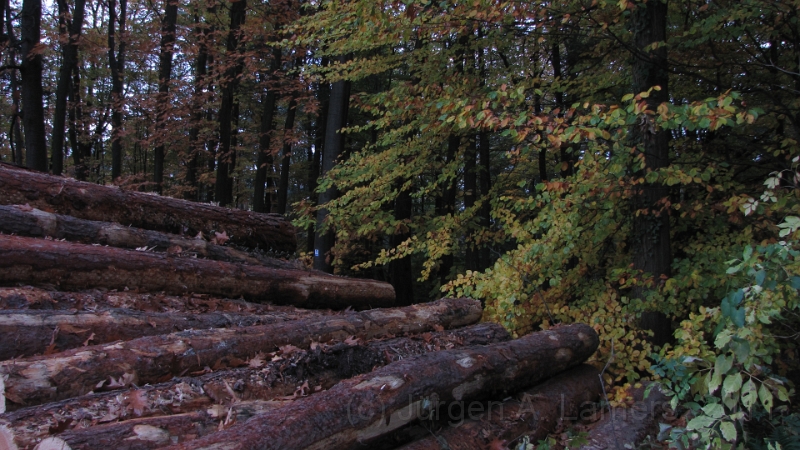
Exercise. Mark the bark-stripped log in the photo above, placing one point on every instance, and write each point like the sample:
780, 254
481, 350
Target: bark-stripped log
533, 413
27, 333
76, 266
32, 222
40, 379
31, 298
148, 211
371, 405
211, 395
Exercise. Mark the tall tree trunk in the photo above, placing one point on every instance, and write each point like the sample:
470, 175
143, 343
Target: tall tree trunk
558, 74
116, 61
32, 93
230, 83
70, 31
81, 147
262, 202
486, 207
195, 143
286, 154
323, 96
334, 144
651, 240
470, 195
401, 273
17, 138
164, 77
446, 204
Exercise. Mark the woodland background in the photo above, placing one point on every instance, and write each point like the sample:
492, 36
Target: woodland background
628, 164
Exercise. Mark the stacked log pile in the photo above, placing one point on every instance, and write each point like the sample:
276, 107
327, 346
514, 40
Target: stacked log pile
139, 321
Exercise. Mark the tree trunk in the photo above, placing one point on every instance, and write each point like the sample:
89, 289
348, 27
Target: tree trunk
164, 76
246, 390
470, 195
116, 61
223, 191
104, 203
323, 96
486, 207
32, 93
76, 266
27, 333
534, 413
334, 144
651, 241
263, 182
151, 359
446, 204
368, 406
25, 221
628, 427
286, 155
31, 298
70, 31
401, 272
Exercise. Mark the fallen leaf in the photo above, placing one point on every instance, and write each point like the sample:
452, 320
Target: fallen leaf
288, 349
137, 402
67, 328
256, 361
89, 339
351, 341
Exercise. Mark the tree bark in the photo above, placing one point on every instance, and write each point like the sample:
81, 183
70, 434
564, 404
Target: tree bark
368, 406
75, 266
242, 389
286, 156
164, 76
31, 298
628, 427
32, 93
652, 253
223, 192
30, 222
70, 34
401, 272
323, 97
533, 413
41, 379
28, 333
105, 203
334, 143
470, 195
264, 181
116, 61
486, 207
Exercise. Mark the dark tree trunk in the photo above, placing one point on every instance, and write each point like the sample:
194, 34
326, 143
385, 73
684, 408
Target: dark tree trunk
262, 200
486, 207
323, 96
164, 76
334, 144
223, 191
446, 204
78, 132
69, 62
196, 142
400, 270
16, 138
470, 196
32, 93
651, 241
116, 61
286, 155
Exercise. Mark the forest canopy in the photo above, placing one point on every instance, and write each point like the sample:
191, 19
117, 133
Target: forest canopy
627, 164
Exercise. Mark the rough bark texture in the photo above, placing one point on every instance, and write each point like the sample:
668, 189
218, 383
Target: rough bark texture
533, 413
75, 266
627, 427
40, 379
32, 92
151, 212
27, 297
27, 333
367, 406
32, 222
209, 398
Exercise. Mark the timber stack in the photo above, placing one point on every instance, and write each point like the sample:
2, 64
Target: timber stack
140, 321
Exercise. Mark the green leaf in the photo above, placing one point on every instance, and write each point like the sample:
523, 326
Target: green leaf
749, 395
627, 97
728, 430
714, 410
765, 395
723, 364
699, 422
732, 384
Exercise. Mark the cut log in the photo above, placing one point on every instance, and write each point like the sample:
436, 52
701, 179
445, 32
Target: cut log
143, 210
27, 333
628, 427
31, 222
534, 413
292, 373
368, 406
31, 298
76, 266
40, 379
